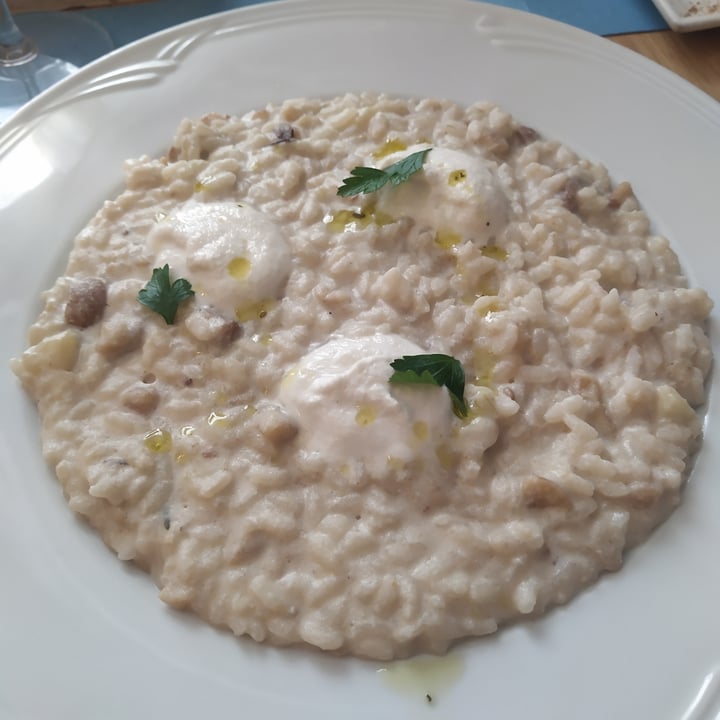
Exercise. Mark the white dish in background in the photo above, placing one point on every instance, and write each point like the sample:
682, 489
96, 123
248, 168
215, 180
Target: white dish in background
84, 636
688, 15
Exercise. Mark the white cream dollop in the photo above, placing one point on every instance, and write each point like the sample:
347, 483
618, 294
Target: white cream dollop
347, 409
232, 254
455, 192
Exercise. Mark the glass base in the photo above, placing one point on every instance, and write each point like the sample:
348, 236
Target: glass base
66, 35
59, 43
21, 83
11, 55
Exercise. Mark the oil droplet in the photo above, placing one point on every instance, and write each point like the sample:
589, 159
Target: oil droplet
381, 219
158, 441
348, 220
181, 458
421, 430
239, 268
447, 239
481, 406
456, 177
289, 377
199, 186
281, 148
218, 419
254, 311
483, 367
446, 456
487, 286
249, 410
262, 338
187, 430
424, 677
390, 147
494, 252
357, 219
488, 307
365, 415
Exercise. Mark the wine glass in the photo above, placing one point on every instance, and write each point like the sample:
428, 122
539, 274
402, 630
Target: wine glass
38, 49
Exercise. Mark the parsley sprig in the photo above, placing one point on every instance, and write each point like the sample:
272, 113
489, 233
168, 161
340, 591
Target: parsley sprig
433, 369
367, 180
162, 297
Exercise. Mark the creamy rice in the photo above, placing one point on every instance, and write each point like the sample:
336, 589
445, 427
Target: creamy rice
253, 457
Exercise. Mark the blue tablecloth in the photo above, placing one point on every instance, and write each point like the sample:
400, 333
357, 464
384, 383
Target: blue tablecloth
604, 17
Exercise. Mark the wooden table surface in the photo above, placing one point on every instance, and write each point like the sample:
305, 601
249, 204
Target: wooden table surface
695, 56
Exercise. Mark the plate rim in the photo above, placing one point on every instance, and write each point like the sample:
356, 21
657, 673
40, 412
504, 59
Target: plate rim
40, 103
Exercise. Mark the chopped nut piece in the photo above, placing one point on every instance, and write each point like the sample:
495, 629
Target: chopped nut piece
56, 352
276, 425
620, 194
569, 194
539, 493
141, 399
526, 134
208, 325
86, 303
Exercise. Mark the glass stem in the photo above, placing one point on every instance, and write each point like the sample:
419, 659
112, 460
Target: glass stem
15, 48
9, 33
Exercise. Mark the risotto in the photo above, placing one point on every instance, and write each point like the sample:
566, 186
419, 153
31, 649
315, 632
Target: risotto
244, 443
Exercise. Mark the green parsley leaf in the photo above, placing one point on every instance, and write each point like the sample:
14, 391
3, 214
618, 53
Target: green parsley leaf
433, 369
162, 297
366, 180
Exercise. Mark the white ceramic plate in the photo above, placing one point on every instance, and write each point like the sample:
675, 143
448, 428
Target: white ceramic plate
687, 15
83, 636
